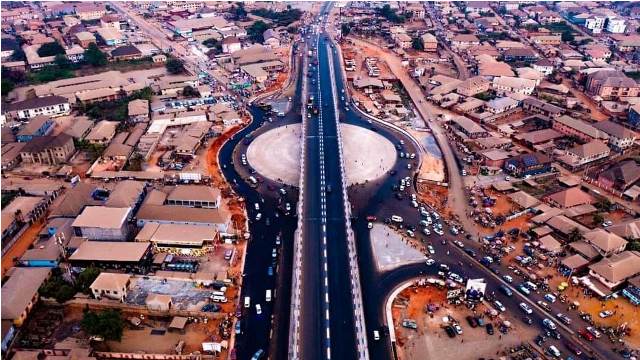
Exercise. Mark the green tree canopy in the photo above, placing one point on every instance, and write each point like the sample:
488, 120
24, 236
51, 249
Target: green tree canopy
62, 62
50, 49
190, 91
94, 56
214, 45
174, 66
417, 43
256, 31
345, 29
390, 14
86, 278
18, 55
108, 324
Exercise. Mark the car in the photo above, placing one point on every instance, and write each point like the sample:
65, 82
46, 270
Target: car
410, 233
426, 231
455, 277
507, 278
450, 331
459, 243
572, 347
431, 249
524, 289
607, 223
444, 267
527, 320
258, 309
543, 305
505, 290
376, 335
457, 328
586, 335
550, 298
409, 324
489, 329
370, 225
258, 355
396, 219
270, 271
258, 216
470, 252
553, 351
549, 324
564, 318
287, 207
238, 327
472, 321
540, 340
594, 332
498, 305
430, 262
438, 231
274, 253
525, 308
605, 314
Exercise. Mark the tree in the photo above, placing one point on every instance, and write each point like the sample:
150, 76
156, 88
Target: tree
174, 66
597, 218
390, 14
256, 31
417, 43
94, 56
574, 235
238, 12
6, 86
214, 45
62, 62
603, 205
86, 278
50, 49
633, 245
345, 29
18, 55
189, 91
107, 324
567, 36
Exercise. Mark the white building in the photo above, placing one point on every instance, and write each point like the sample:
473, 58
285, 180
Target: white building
510, 84
51, 106
595, 24
616, 26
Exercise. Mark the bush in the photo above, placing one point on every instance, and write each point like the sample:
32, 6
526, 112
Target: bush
174, 66
51, 49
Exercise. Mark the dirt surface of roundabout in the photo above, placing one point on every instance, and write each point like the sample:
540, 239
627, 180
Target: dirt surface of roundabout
276, 154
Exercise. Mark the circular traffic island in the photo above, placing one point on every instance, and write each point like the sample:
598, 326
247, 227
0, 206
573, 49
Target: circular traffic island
275, 154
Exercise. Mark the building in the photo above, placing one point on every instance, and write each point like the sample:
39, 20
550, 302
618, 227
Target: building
110, 21
569, 198
464, 40
124, 256
520, 54
158, 302
595, 23
620, 138
48, 150
535, 106
619, 177
547, 40
605, 242
90, 11
102, 132
38, 126
508, 84
186, 27
528, 164
544, 66
172, 214
85, 38
111, 36
51, 106
201, 196
126, 52
193, 240
138, 110
103, 223
111, 285
611, 85
613, 271
20, 293
634, 116
127, 194
502, 105
430, 42
473, 86
231, 44
616, 26
578, 128
271, 38
468, 128
580, 155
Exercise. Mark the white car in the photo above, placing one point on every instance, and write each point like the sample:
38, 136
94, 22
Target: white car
258, 216
498, 305
258, 309
426, 231
430, 262
525, 308
370, 225
431, 249
410, 233
459, 243
438, 231
605, 314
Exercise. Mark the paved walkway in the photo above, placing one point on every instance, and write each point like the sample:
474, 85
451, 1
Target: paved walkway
391, 250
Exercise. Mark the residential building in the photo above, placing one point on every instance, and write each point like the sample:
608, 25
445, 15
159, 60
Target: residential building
464, 40
90, 11
520, 54
547, 40
611, 84
20, 293
620, 138
11, 155
271, 38
102, 132
619, 177
535, 106
111, 36
52, 106
38, 126
605, 242
634, 116
103, 223
616, 26
133, 257
595, 24
138, 110
569, 198
467, 128
580, 155
430, 42
48, 150
231, 44
110, 21
528, 164
508, 84
578, 128
544, 66
502, 105
111, 285
473, 86
613, 271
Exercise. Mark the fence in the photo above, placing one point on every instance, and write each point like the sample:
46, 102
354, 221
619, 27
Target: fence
93, 304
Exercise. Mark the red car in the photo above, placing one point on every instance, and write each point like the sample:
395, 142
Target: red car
371, 218
586, 335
